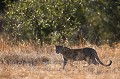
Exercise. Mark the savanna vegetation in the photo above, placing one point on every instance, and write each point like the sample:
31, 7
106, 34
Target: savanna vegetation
55, 21
29, 29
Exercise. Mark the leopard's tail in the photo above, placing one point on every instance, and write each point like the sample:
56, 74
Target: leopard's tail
102, 62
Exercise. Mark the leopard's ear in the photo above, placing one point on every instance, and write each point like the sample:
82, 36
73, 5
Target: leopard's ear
55, 45
59, 45
62, 45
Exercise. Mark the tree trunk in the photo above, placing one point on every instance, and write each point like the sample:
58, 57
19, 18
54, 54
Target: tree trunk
39, 32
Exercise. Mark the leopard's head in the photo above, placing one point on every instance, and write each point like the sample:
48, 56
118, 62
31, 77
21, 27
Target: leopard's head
59, 49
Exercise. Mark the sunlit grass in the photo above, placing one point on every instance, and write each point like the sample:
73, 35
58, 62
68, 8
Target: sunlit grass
30, 61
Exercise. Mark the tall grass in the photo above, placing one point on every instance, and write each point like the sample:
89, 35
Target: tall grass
30, 61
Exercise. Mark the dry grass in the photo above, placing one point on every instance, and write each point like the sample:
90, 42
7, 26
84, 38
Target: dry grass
29, 61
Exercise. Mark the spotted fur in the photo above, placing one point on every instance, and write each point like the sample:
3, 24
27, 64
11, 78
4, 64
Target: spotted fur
87, 54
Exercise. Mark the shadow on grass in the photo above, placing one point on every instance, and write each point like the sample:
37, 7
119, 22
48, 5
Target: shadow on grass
23, 60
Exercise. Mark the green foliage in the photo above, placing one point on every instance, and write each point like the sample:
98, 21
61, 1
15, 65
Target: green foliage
55, 20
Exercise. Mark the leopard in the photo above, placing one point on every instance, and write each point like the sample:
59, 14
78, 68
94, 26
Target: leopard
87, 54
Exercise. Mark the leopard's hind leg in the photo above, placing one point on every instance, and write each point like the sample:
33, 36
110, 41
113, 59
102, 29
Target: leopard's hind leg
95, 62
88, 60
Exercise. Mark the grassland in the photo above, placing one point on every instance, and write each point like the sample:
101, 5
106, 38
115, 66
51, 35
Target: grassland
30, 61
